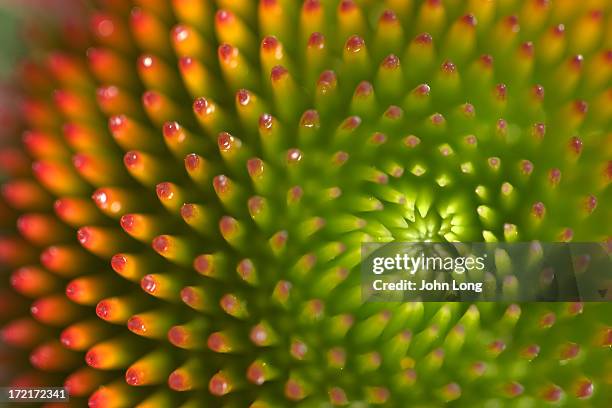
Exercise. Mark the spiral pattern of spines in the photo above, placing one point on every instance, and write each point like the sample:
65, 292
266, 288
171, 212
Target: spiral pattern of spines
245, 180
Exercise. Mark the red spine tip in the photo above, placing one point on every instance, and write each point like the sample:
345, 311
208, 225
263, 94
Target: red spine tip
133, 376
146, 61
221, 184
269, 43
576, 62
391, 62
228, 226
351, 123
575, 145
219, 385
584, 389
192, 161
178, 382
149, 284
388, 16
310, 119
161, 244
136, 325
354, 44
227, 52
243, 97
202, 107
171, 129
293, 390
255, 167
581, 107
294, 156
84, 236
311, 6
131, 159
177, 335
73, 290
203, 264
448, 67
265, 121
469, 19
538, 209
394, 112
103, 309
117, 122
150, 99
217, 342
188, 211
92, 359
590, 203
347, 6
552, 393
164, 191
227, 142
316, 40
424, 39
278, 72
118, 263
224, 17
128, 222
189, 296
364, 89
256, 374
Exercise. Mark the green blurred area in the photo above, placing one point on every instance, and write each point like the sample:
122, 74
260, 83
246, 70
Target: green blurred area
10, 49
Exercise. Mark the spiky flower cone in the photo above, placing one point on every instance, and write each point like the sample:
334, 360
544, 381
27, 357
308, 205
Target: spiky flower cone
203, 174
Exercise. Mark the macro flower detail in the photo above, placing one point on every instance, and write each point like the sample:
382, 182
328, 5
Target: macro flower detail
183, 207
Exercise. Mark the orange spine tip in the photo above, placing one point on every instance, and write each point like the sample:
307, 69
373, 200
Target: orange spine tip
234, 67
131, 135
231, 29
41, 229
187, 336
58, 178
187, 377
54, 310
112, 354
64, 260
161, 286
198, 169
171, 196
175, 249
117, 309
33, 282
114, 202
156, 75
101, 241
223, 383
22, 333
43, 145
197, 298
144, 167
149, 32
153, 324
160, 108
114, 101
130, 266
76, 211
52, 356
80, 336
210, 116
83, 382
25, 195
109, 67
88, 290
151, 369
